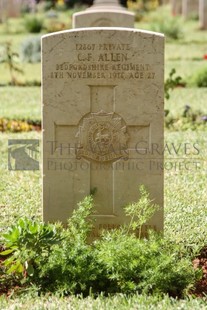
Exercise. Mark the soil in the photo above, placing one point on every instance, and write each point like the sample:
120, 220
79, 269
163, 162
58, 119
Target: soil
201, 262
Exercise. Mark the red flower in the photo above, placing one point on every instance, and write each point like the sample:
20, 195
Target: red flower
205, 56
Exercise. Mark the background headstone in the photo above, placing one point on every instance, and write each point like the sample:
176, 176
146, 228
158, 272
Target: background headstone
203, 14
190, 8
176, 6
9, 8
102, 122
13, 8
104, 13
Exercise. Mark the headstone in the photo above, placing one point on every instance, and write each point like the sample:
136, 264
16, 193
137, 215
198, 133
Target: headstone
102, 122
190, 8
176, 6
13, 8
203, 14
104, 13
3, 6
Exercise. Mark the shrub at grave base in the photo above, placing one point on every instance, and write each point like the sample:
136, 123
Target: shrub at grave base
73, 268
146, 266
60, 260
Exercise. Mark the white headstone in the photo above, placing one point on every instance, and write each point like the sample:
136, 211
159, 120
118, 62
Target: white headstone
176, 6
102, 122
104, 13
190, 8
203, 14
14, 8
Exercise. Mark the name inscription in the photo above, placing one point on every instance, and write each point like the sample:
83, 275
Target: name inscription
103, 61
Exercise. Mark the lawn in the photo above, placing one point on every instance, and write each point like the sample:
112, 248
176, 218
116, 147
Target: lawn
185, 171
20, 102
120, 302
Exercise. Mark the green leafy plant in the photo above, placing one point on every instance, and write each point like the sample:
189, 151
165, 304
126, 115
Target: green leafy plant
27, 244
140, 211
171, 82
10, 59
33, 24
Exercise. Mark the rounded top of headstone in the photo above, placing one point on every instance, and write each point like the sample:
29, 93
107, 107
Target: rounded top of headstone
102, 30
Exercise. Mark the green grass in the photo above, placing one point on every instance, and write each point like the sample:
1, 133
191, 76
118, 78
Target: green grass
20, 191
16, 39
185, 188
32, 72
20, 102
184, 68
182, 51
194, 97
120, 302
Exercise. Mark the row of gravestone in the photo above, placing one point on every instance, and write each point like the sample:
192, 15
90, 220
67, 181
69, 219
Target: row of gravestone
103, 99
111, 13
190, 8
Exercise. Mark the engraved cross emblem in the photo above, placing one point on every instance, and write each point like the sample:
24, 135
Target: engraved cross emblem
103, 139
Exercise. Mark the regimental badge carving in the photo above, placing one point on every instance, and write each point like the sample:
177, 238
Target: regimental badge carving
102, 137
